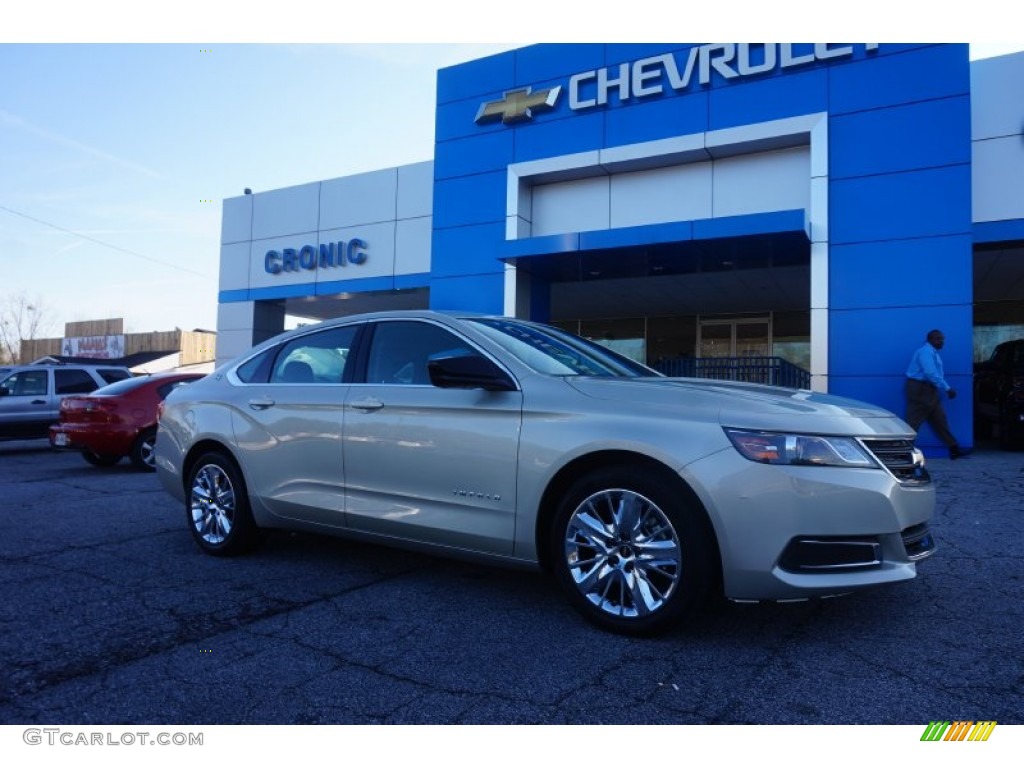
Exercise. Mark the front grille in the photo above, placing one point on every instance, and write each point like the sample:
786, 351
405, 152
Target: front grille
901, 459
918, 541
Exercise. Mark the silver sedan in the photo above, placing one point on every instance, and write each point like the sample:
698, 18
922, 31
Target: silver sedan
511, 441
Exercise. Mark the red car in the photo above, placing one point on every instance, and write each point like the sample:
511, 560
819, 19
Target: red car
117, 420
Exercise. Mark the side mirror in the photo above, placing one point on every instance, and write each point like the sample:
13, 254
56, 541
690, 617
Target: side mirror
4, 391
468, 372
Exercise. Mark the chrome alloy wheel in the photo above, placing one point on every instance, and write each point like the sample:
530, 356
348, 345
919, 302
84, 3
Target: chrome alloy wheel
623, 553
213, 504
147, 450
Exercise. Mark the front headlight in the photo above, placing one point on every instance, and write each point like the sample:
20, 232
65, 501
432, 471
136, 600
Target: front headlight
800, 450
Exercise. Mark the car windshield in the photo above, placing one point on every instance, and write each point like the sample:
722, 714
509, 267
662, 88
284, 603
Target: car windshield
557, 353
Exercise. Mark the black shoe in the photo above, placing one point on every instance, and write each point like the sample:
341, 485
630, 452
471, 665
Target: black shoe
960, 453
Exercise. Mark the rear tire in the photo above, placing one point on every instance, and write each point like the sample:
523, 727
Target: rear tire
143, 454
631, 555
217, 507
100, 459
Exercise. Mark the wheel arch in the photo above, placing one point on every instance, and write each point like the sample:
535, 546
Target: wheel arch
582, 465
207, 446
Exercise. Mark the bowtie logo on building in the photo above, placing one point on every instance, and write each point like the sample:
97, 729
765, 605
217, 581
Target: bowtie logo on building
518, 106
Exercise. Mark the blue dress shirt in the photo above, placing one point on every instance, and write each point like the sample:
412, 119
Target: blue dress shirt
926, 365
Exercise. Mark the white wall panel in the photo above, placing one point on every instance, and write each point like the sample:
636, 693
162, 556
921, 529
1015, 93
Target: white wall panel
412, 246
762, 182
260, 278
415, 190
366, 198
380, 252
232, 342
286, 211
678, 193
818, 210
571, 206
236, 219
997, 173
235, 316
234, 266
997, 107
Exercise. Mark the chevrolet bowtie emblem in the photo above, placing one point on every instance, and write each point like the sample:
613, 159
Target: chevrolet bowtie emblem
519, 105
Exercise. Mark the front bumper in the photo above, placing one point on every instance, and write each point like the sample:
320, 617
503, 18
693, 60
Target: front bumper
790, 533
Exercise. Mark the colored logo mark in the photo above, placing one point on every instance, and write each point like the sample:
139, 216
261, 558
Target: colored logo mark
517, 106
959, 730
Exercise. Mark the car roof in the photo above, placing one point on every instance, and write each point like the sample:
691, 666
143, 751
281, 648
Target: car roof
396, 314
59, 366
173, 375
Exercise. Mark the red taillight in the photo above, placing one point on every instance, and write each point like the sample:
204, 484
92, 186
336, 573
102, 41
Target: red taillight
88, 409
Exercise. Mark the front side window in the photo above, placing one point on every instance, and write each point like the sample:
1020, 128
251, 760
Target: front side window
400, 351
315, 358
26, 383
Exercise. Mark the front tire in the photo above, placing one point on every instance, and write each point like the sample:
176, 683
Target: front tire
217, 508
629, 552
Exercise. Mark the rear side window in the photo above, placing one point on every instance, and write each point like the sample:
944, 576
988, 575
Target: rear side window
73, 381
120, 387
316, 358
110, 375
257, 369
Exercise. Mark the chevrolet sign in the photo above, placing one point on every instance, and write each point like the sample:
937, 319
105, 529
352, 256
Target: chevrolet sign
517, 106
656, 74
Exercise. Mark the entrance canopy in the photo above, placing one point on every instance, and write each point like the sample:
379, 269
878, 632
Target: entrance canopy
738, 264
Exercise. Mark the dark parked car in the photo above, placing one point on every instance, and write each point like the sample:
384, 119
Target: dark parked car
116, 421
999, 394
30, 395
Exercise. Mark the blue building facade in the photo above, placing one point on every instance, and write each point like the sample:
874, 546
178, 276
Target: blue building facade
827, 204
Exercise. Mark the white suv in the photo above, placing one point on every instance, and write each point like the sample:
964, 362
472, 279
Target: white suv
30, 395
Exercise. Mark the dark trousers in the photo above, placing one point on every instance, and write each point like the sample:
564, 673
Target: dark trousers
924, 404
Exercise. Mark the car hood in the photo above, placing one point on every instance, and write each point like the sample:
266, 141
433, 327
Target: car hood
749, 406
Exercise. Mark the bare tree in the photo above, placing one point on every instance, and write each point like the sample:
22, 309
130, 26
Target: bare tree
21, 319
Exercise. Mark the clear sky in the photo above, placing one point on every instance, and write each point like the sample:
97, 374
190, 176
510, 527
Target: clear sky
115, 155
114, 159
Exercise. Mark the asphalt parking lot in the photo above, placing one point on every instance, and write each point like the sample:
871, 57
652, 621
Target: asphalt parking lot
111, 615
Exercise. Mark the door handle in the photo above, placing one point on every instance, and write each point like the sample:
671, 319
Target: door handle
367, 404
260, 403
38, 402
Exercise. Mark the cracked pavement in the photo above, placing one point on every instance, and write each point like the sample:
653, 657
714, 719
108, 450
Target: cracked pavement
111, 615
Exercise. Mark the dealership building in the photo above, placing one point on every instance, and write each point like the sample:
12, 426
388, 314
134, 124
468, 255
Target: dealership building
816, 208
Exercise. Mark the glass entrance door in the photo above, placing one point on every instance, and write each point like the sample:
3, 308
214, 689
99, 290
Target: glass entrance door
747, 337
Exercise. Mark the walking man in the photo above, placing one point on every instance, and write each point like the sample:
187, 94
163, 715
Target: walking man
925, 386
